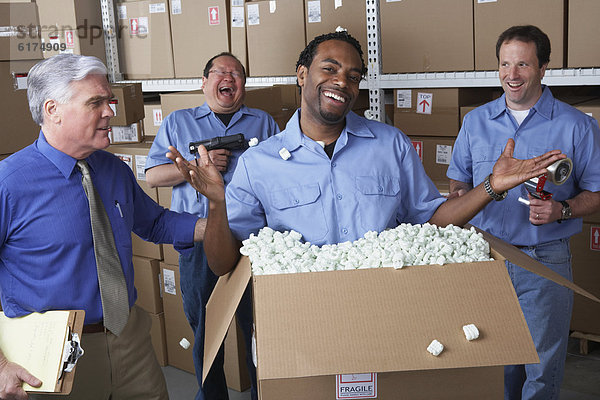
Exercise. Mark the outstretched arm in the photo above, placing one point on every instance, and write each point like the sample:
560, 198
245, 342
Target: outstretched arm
508, 173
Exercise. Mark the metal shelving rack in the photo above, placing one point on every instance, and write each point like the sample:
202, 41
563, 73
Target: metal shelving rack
376, 82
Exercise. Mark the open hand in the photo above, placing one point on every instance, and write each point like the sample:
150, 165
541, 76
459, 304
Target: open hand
205, 177
12, 377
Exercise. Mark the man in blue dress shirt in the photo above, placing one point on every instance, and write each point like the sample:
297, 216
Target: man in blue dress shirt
332, 175
223, 113
47, 259
537, 122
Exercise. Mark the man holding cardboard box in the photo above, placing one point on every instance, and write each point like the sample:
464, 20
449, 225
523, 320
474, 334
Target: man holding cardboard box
67, 211
529, 114
332, 175
223, 114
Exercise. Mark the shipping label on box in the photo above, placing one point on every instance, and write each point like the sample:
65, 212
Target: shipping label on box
443, 154
356, 386
126, 134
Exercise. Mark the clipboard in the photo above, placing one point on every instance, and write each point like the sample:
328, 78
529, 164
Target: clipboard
47, 344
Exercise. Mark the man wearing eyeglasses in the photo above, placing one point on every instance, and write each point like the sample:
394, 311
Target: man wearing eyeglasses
223, 113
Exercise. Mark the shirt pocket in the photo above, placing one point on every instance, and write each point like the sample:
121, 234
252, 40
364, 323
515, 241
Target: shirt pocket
121, 219
299, 208
484, 158
377, 195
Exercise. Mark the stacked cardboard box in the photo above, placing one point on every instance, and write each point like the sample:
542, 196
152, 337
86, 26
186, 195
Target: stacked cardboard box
152, 118
583, 48
128, 107
237, 31
435, 154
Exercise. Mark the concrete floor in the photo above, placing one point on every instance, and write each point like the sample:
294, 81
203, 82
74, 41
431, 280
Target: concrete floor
581, 382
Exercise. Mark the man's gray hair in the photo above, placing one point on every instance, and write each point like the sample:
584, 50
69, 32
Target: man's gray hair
51, 79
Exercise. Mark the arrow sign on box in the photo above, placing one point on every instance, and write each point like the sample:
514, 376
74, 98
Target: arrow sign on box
424, 103
595, 238
213, 15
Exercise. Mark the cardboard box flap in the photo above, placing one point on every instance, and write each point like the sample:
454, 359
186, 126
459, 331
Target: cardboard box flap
221, 308
517, 257
382, 320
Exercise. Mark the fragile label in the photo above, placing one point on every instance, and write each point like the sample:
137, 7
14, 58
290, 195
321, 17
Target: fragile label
20, 81
237, 17
169, 280
140, 167
253, 14
424, 103
122, 12
418, 145
356, 386
213, 15
126, 158
443, 154
157, 8
314, 11
272, 6
403, 98
595, 238
175, 7
70, 39
157, 116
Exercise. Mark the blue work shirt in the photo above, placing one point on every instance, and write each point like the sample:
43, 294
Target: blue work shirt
181, 127
47, 257
551, 124
374, 181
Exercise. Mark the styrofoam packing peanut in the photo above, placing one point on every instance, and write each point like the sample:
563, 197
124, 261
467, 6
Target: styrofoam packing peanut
253, 142
284, 153
184, 343
471, 332
435, 347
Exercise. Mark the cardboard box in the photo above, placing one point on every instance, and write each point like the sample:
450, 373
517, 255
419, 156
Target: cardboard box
276, 36
170, 102
78, 24
20, 39
237, 31
148, 284
127, 104
585, 248
324, 16
591, 108
434, 112
153, 118
157, 334
583, 48
236, 370
18, 128
435, 154
426, 36
380, 321
176, 324
198, 32
145, 47
126, 134
494, 17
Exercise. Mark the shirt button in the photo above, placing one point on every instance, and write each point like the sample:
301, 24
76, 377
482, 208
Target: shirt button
345, 231
380, 188
339, 196
296, 201
334, 165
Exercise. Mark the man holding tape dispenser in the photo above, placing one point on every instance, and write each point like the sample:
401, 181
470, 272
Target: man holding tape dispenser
528, 114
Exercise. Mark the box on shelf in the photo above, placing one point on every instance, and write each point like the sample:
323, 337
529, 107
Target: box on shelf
585, 248
145, 47
198, 32
435, 154
18, 128
148, 284
126, 134
170, 102
134, 155
20, 39
127, 104
591, 108
176, 324
582, 48
237, 31
153, 118
491, 18
337, 333
276, 36
76, 25
324, 16
157, 335
426, 36
434, 112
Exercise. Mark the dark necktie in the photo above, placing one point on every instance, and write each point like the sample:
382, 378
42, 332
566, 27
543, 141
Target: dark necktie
113, 290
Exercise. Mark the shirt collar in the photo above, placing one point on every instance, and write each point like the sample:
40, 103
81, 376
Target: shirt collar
204, 110
63, 162
543, 106
294, 137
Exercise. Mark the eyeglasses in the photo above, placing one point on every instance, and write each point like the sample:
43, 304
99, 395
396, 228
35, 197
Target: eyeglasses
234, 74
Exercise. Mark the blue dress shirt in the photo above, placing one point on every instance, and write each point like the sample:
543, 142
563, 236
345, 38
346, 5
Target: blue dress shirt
374, 181
551, 124
47, 257
181, 127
